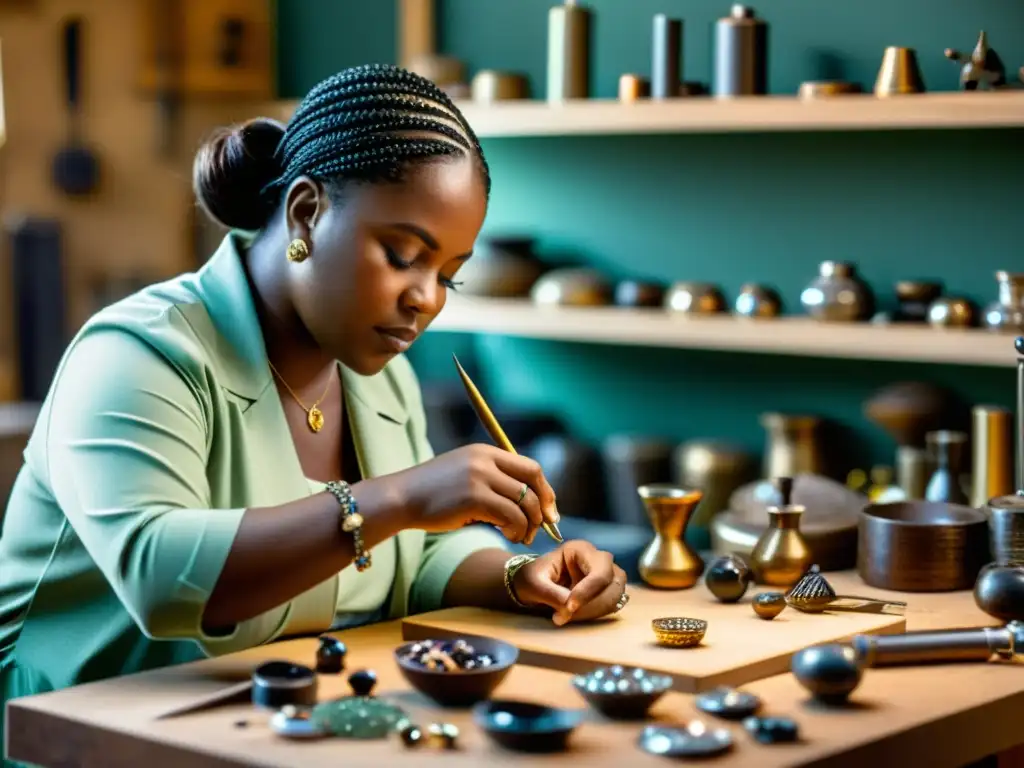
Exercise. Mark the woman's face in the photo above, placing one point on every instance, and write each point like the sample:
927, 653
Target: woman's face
383, 258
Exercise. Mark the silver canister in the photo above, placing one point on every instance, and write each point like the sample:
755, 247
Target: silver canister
666, 57
568, 52
741, 54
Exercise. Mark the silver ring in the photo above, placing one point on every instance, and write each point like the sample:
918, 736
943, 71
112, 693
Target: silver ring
522, 494
622, 601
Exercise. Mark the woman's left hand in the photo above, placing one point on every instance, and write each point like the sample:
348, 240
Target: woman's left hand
577, 581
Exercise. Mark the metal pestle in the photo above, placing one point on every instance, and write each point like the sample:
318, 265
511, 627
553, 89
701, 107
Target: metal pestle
1018, 344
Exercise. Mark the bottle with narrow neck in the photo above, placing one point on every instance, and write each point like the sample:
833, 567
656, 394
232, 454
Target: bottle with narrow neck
781, 555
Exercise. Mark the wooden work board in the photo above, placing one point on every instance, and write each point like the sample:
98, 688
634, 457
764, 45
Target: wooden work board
738, 648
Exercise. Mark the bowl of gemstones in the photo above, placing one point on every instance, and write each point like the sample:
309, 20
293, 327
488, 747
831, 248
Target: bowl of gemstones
622, 693
458, 672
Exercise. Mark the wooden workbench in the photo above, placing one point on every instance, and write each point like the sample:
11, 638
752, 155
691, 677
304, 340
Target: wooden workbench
921, 716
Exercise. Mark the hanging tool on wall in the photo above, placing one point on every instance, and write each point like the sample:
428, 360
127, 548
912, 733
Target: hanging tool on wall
76, 168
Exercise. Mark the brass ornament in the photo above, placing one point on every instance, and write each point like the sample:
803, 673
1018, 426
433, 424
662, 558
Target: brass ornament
813, 594
314, 416
315, 419
298, 252
678, 632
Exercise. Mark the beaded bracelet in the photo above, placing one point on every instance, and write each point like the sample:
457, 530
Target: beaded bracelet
351, 521
512, 567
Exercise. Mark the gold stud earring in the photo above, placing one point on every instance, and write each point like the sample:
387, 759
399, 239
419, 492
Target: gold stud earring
297, 250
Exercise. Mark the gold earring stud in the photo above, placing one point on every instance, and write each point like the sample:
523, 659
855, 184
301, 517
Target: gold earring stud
297, 250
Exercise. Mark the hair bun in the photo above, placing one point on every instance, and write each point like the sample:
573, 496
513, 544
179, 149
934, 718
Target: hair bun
232, 169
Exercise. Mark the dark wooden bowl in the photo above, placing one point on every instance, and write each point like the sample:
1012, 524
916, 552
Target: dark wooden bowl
921, 546
460, 688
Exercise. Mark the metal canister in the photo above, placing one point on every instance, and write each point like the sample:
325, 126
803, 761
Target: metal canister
992, 449
741, 54
666, 56
568, 52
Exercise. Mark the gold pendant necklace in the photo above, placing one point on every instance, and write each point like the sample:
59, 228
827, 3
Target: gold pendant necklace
314, 416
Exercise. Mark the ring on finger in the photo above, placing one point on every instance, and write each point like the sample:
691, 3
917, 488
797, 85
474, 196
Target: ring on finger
522, 494
622, 601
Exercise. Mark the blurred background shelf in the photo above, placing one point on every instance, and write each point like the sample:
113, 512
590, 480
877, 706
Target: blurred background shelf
752, 114
786, 335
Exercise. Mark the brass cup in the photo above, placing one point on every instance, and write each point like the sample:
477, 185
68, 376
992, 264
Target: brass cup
668, 562
899, 74
679, 632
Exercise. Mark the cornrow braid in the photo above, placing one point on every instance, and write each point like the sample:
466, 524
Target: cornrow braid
369, 123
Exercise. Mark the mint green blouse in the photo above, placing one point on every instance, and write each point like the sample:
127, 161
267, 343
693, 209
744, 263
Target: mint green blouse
162, 426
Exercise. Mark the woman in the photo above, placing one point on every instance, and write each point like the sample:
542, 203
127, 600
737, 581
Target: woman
240, 454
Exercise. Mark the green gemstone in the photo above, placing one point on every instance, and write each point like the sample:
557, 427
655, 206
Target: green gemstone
358, 717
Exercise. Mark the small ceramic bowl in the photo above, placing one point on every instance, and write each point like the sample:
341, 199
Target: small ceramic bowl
679, 632
459, 687
525, 727
622, 693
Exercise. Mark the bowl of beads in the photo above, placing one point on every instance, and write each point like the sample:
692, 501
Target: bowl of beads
622, 693
458, 672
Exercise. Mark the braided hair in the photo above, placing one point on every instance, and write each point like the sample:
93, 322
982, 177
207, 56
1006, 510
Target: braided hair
365, 124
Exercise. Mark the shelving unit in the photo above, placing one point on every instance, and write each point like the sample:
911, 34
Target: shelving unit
751, 114
785, 335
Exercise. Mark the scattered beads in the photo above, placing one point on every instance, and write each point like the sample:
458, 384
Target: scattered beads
411, 734
444, 735
447, 656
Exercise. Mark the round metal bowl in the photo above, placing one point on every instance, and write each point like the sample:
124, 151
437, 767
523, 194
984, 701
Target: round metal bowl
921, 546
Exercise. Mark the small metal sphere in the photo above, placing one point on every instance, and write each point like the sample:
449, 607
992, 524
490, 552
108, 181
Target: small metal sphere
768, 605
829, 672
728, 578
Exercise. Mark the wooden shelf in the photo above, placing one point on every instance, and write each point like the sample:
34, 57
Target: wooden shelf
748, 114
782, 336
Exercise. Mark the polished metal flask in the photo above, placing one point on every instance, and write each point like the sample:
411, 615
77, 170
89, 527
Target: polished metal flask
568, 52
666, 56
741, 54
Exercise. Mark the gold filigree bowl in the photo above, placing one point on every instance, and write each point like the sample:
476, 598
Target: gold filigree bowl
679, 632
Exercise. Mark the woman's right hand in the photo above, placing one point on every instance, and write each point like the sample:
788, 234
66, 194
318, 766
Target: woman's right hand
476, 483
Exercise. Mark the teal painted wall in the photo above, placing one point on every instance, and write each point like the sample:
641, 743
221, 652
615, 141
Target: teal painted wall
727, 208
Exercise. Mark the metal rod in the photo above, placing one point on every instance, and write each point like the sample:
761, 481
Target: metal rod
490, 423
1019, 346
936, 647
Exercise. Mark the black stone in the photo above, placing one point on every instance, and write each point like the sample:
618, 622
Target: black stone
772, 730
363, 682
330, 656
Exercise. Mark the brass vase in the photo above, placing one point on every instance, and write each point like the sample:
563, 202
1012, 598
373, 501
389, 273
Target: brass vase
781, 555
668, 562
793, 446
